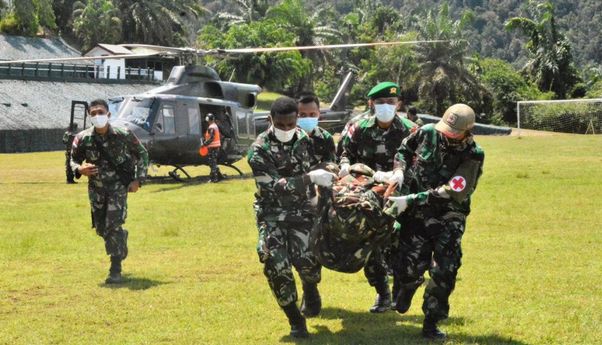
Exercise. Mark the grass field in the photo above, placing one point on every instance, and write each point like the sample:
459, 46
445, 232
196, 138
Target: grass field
530, 274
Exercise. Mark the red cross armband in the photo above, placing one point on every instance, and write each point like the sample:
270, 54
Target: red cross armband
463, 181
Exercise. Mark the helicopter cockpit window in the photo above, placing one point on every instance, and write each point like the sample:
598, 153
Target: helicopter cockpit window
166, 120
136, 111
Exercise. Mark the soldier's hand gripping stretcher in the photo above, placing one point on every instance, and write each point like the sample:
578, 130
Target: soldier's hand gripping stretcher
322, 178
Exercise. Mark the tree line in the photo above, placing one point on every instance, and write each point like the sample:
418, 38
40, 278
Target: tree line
468, 67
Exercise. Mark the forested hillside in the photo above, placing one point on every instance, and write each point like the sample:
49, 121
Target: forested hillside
580, 20
490, 53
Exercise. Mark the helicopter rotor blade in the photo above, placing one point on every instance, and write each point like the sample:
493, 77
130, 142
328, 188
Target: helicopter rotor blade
161, 48
317, 47
83, 58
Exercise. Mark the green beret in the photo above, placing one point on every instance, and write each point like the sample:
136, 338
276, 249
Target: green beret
385, 89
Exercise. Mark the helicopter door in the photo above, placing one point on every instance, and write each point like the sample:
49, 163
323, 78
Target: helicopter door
245, 126
79, 109
164, 129
188, 129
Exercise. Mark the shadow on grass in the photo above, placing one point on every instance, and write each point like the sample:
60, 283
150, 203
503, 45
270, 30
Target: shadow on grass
173, 185
387, 328
134, 283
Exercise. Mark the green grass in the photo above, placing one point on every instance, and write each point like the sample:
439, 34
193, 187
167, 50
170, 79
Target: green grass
530, 274
265, 100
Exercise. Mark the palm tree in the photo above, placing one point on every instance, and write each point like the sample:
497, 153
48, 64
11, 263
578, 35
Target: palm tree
96, 21
160, 22
247, 11
309, 28
551, 64
444, 79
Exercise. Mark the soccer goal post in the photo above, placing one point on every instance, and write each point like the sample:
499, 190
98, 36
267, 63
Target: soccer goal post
582, 116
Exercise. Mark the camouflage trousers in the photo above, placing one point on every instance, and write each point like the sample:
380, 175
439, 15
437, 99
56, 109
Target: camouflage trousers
109, 211
422, 239
282, 245
375, 269
68, 172
212, 157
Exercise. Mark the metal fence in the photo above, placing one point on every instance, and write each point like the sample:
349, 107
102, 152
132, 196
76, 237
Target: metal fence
73, 72
31, 140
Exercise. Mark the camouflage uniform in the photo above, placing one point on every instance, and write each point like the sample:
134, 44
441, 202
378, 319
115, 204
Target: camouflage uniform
322, 148
367, 143
108, 195
68, 141
284, 215
345, 131
441, 177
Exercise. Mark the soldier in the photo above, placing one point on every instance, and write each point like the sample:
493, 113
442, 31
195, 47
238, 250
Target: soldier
413, 116
442, 165
68, 141
213, 143
322, 148
374, 141
280, 160
115, 164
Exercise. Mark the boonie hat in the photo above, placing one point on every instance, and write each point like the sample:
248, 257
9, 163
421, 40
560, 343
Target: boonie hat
456, 120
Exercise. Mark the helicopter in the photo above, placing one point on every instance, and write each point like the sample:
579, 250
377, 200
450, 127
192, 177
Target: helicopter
169, 120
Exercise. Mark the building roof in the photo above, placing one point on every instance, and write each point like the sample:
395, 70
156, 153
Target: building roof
44, 104
113, 49
19, 47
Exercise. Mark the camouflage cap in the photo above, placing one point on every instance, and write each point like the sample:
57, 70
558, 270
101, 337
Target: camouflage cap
385, 89
456, 120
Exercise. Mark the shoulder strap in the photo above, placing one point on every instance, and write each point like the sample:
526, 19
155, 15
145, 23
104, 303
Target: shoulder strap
123, 175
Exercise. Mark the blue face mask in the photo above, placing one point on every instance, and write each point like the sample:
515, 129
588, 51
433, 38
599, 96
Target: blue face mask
307, 123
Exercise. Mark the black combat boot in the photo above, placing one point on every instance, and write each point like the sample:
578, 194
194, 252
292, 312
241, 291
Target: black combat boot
115, 271
296, 320
383, 298
430, 330
311, 303
403, 300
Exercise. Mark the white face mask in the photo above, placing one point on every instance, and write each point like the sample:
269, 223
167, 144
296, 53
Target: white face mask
99, 121
384, 112
284, 136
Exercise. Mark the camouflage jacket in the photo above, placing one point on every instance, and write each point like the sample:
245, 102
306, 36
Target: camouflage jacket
440, 175
345, 131
125, 153
322, 149
68, 137
367, 143
280, 171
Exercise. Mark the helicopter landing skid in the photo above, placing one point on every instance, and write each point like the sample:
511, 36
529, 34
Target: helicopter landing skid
235, 168
174, 173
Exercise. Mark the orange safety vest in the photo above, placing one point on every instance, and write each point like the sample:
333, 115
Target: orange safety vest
216, 136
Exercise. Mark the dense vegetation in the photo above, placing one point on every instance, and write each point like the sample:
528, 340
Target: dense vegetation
498, 51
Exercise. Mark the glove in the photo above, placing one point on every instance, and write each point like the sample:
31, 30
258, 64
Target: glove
382, 176
397, 177
400, 203
322, 177
344, 171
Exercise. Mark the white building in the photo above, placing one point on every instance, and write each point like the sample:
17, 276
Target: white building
135, 68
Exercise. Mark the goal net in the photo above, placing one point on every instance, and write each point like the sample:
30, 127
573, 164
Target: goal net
582, 116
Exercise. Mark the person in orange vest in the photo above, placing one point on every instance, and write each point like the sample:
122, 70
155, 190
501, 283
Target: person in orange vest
213, 143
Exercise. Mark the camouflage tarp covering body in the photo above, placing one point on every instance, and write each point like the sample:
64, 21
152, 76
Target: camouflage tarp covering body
351, 222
